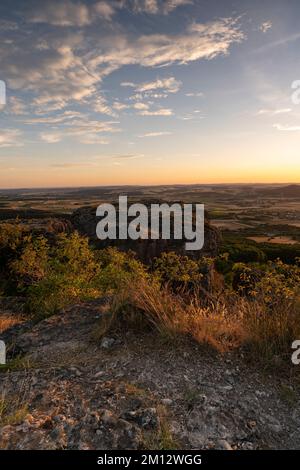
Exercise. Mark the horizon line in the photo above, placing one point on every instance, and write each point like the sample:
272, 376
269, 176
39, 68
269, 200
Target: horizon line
147, 185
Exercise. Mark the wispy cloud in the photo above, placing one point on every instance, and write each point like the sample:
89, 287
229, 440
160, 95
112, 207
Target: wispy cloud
10, 138
280, 42
86, 131
155, 134
154, 7
68, 13
16, 106
119, 106
265, 26
62, 67
51, 137
288, 128
67, 165
169, 85
157, 112
273, 112
101, 106
198, 94
140, 106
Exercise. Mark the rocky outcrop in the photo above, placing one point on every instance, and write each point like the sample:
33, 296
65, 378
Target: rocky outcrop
67, 391
84, 220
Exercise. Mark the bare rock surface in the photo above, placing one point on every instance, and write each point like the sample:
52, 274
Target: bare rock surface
69, 391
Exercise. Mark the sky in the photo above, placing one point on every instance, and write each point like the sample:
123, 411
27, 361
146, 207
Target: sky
149, 92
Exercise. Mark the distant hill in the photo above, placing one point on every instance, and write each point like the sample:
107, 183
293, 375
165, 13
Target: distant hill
290, 191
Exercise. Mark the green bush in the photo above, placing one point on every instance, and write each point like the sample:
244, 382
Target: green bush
117, 268
13, 238
177, 270
55, 276
32, 264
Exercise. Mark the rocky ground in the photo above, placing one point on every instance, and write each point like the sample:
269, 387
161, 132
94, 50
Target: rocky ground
62, 389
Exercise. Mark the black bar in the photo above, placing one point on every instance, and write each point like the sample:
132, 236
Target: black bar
137, 459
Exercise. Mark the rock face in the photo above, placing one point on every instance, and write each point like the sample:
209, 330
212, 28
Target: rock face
85, 221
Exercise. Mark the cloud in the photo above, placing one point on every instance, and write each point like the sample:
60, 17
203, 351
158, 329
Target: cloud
131, 156
79, 126
170, 5
92, 139
16, 106
9, 138
288, 128
265, 26
273, 112
119, 160
200, 41
190, 117
57, 119
158, 112
155, 134
55, 75
100, 105
119, 106
164, 85
85, 126
141, 106
128, 84
74, 165
279, 42
147, 6
51, 137
60, 66
170, 85
154, 7
144, 109
68, 13
104, 9
198, 94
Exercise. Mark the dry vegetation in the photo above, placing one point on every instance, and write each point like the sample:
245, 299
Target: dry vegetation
14, 408
257, 307
264, 328
8, 320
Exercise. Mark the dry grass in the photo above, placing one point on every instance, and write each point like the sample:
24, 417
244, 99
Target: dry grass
226, 322
14, 407
148, 306
8, 320
271, 329
163, 438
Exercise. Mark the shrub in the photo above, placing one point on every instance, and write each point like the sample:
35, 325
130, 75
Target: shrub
67, 273
13, 237
32, 264
177, 270
118, 268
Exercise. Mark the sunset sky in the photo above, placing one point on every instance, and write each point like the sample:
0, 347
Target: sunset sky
149, 92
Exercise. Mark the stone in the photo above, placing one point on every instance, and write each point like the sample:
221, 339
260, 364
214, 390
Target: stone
223, 444
107, 343
167, 401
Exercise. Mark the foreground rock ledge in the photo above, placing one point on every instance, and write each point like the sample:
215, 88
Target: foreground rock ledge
69, 392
